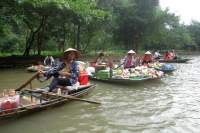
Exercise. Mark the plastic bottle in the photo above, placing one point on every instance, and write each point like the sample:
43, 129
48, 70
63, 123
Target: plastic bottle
59, 91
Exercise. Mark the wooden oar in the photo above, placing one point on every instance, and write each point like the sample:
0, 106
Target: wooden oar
72, 98
27, 82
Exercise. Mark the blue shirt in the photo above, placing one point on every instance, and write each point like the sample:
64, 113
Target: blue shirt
74, 71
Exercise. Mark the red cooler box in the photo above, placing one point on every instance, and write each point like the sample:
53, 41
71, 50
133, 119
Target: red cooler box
83, 78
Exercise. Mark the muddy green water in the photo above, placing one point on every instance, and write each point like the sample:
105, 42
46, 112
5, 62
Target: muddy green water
171, 105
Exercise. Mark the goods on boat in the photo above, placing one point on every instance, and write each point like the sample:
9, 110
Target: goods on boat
29, 101
35, 68
130, 75
166, 68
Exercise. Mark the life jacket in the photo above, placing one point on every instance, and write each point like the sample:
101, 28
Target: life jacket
169, 56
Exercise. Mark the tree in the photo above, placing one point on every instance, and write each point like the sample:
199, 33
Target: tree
194, 29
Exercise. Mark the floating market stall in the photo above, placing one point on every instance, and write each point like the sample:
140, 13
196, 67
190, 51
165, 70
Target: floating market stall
127, 76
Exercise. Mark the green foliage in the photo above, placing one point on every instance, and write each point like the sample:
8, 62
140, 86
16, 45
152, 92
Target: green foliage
194, 29
28, 26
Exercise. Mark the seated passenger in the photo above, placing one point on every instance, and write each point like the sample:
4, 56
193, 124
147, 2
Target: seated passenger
168, 56
102, 61
173, 54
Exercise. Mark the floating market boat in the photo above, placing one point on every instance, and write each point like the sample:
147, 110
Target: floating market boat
126, 81
178, 60
28, 101
127, 76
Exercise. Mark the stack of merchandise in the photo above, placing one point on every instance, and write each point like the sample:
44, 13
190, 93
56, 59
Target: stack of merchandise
156, 65
140, 72
9, 101
162, 67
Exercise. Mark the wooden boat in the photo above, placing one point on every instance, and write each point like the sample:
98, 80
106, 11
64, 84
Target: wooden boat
37, 100
179, 60
126, 81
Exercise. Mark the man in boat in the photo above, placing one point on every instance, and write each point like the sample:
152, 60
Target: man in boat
130, 59
157, 55
66, 73
148, 58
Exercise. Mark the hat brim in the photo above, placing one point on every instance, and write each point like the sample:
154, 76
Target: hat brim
131, 53
78, 54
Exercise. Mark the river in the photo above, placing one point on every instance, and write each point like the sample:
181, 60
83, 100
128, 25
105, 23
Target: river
171, 105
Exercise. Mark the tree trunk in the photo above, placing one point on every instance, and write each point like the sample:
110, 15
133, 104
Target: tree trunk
136, 46
39, 43
29, 43
41, 35
136, 43
64, 37
74, 44
78, 37
31, 37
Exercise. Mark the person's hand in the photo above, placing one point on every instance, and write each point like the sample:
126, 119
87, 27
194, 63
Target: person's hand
40, 73
66, 74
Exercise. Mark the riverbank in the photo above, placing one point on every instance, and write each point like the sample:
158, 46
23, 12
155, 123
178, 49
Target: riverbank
24, 61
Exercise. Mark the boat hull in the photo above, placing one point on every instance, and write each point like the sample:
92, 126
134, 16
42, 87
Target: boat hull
123, 81
175, 61
21, 111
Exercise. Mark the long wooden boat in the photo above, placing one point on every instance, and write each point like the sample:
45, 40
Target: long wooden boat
33, 101
180, 60
125, 81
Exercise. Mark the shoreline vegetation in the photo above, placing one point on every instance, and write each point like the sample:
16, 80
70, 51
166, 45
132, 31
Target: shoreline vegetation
12, 60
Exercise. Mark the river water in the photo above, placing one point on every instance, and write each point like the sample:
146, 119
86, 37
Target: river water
171, 105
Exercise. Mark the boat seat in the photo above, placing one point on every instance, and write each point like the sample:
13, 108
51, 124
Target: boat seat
62, 87
65, 87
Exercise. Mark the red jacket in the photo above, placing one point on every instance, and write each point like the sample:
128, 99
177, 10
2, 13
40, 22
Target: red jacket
147, 59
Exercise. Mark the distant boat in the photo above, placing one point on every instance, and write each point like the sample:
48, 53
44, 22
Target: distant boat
178, 60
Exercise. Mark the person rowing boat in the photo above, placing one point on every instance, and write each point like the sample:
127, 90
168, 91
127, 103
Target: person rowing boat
66, 73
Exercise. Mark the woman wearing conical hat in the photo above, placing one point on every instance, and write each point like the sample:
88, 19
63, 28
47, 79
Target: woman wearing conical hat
129, 60
148, 58
67, 72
